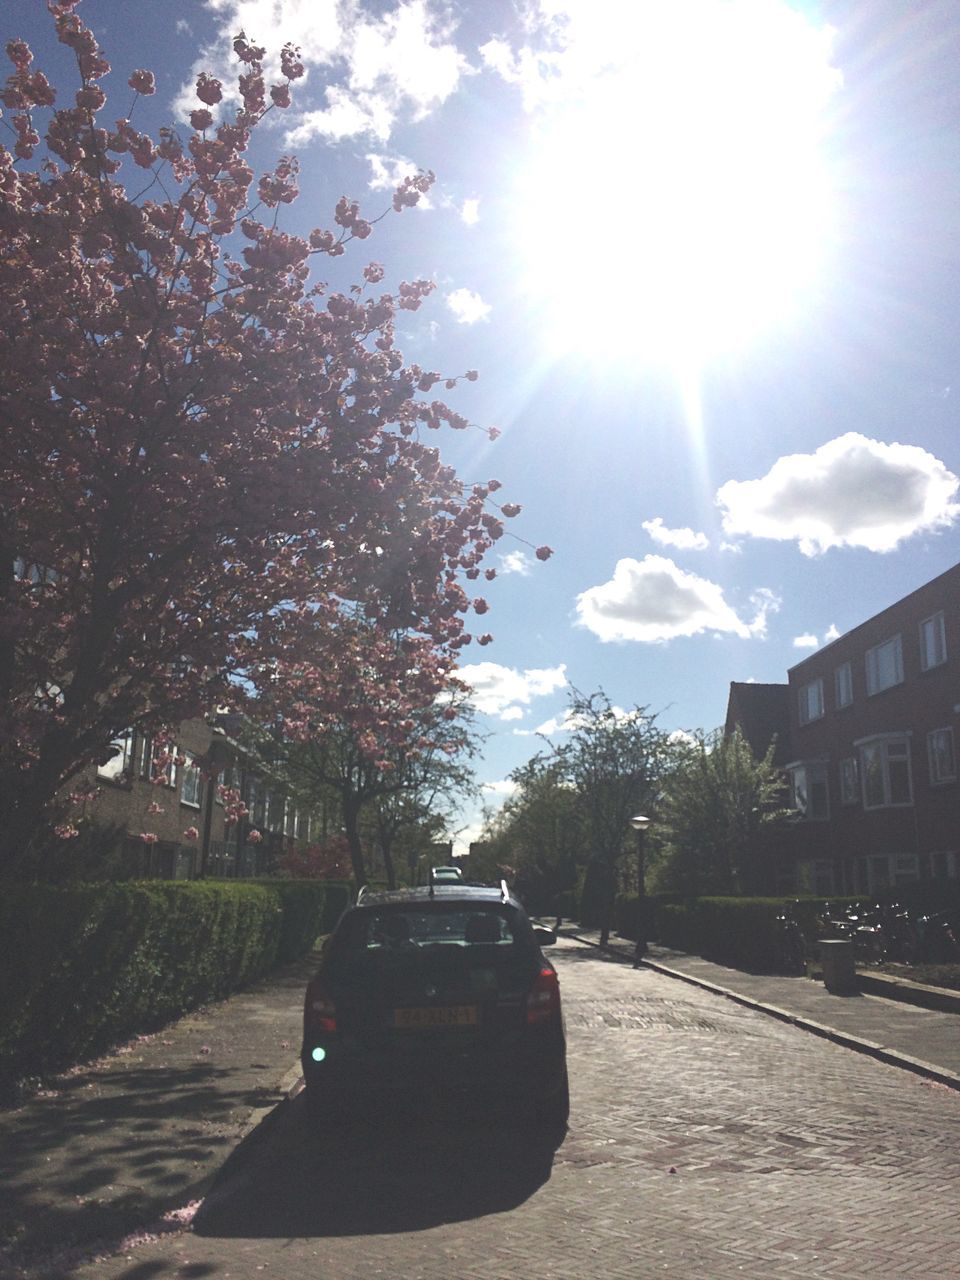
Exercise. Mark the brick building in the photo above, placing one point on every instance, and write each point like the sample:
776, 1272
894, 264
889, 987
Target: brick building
188, 800
866, 733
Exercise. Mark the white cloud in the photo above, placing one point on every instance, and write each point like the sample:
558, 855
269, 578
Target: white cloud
503, 691
851, 492
470, 212
506, 787
387, 172
375, 69
566, 722
683, 539
468, 307
515, 562
654, 600
832, 633
806, 642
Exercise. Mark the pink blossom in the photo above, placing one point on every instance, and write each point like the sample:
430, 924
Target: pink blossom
209, 90
201, 119
66, 831
254, 837
544, 553
143, 82
148, 837
191, 833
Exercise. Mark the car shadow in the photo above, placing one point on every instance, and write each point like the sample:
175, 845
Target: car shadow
377, 1173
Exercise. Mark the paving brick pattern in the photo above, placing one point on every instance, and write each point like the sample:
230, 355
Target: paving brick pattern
706, 1140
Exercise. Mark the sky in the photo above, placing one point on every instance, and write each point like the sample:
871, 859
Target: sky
705, 257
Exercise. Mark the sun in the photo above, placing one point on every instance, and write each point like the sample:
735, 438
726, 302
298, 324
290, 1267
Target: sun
676, 200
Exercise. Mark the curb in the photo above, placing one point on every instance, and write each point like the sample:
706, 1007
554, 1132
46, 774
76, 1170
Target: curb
889, 1056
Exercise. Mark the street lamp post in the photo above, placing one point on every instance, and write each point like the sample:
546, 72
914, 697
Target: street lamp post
640, 822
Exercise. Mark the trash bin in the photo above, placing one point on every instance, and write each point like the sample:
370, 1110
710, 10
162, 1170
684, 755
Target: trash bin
839, 975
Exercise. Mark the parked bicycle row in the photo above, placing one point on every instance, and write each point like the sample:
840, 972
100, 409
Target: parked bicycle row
881, 932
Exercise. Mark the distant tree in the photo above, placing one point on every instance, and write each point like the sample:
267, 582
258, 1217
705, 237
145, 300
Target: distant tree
207, 463
538, 832
614, 761
400, 784
718, 806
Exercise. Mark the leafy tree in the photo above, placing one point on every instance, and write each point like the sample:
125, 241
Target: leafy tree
402, 784
614, 761
210, 466
538, 832
719, 803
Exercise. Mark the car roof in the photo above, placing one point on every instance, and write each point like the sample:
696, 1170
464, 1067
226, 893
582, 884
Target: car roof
449, 892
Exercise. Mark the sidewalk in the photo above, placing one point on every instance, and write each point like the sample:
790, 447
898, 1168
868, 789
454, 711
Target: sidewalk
130, 1143
919, 1039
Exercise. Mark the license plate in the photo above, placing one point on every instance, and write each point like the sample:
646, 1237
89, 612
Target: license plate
450, 1015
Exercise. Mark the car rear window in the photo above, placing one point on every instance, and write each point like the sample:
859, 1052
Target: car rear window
461, 927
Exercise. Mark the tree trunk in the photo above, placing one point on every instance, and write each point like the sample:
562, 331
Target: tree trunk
386, 849
351, 823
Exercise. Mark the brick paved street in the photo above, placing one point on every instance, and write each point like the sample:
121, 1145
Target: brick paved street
705, 1140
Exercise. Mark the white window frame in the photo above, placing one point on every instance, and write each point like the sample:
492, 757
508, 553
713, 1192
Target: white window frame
804, 773
933, 642
145, 762
122, 761
887, 748
938, 774
191, 781
843, 685
810, 702
878, 680
849, 780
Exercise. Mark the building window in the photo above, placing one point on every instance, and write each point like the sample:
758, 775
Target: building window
289, 817
275, 806
303, 825
943, 865
933, 642
885, 771
942, 757
849, 780
120, 762
149, 769
906, 868
191, 784
843, 685
257, 802
811, 701
884, 665
810, 793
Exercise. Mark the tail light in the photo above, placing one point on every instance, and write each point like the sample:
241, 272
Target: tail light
319, 1011
543, 998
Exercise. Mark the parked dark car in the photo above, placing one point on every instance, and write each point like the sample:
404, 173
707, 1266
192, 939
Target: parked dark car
441, 990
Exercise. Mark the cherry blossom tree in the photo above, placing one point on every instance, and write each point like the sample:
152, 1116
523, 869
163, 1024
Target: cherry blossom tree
212, 462
421, 763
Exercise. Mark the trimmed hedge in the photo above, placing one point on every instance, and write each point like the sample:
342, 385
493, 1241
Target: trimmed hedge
741, 932
91, 965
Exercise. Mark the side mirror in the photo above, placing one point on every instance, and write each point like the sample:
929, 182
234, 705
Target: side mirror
544, 937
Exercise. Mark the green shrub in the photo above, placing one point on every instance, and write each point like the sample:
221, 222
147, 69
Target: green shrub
93, 964
741, 932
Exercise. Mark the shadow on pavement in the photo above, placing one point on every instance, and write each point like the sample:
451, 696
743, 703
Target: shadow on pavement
376, 1174
82, 1164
